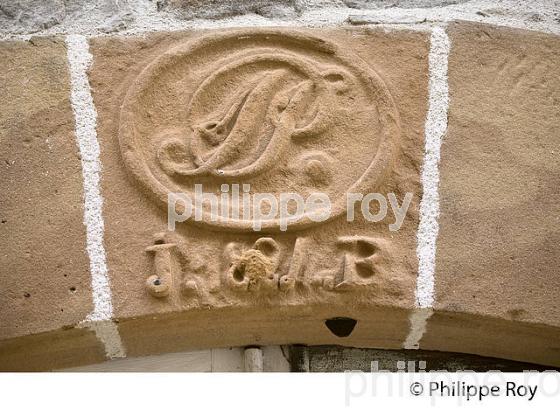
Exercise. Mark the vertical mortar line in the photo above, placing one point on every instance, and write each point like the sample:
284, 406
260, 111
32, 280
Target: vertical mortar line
85, 117
428, 227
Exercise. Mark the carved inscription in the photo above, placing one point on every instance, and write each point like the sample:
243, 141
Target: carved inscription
256, 268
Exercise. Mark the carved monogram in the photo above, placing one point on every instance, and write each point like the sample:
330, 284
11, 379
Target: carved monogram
281, 111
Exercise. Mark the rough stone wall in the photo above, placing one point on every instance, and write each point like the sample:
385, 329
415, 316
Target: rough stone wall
95, 17
454, 102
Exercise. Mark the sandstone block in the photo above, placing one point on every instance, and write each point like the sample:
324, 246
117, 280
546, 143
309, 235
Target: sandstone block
498, 253
43, 237
44, 268
314, 111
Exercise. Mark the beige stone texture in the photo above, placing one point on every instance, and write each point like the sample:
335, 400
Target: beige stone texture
497, 283
346, 94
44, 269
284, 110
486, 336
46, 351
383, 327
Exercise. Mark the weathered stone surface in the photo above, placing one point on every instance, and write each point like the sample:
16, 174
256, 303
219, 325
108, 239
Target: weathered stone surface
487, 336
286, 111
44, 269
411, 4
498, 252
215, 9
30, 16
154, 94
51, 350
377, 326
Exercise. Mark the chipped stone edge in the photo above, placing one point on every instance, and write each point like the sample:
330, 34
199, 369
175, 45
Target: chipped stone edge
85, 115
418, 321
107, 332
428, 227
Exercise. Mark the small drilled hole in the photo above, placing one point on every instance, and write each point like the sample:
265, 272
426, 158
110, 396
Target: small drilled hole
157, 282
73, 289
239, 273
341, 326
27, 294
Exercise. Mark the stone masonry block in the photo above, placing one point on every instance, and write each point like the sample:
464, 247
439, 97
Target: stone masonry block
44, 268
323, 110
498, 252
